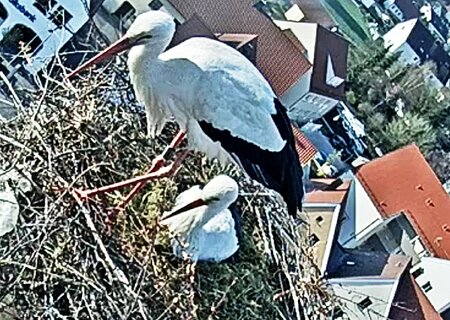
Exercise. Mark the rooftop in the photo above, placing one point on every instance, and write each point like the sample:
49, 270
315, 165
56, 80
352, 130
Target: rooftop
314, 11
373, 269
403, 181
408, 9
327, 191
364, 264
420, 39
278, 58
305, 149
408, 299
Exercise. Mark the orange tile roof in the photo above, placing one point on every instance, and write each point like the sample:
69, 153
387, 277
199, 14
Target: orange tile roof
278, 58
319, 195
305, 149
403, 181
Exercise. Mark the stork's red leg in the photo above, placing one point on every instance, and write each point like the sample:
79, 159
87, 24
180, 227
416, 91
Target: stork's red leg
172, 169
157, 170
138, 187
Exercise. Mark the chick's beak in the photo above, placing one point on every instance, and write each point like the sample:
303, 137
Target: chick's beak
191, 205
120, 45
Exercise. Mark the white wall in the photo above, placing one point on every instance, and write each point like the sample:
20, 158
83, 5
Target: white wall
141, 6
436, 272
297, 91
353, 290
368, 3
408, 56
362, 218
305, 32
396, 11
53, 39
303, 105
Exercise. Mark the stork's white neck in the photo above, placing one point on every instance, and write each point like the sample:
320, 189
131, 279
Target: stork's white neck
146, 75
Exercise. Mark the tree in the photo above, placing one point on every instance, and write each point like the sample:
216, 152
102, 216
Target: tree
440, 162
412, 128
397, 103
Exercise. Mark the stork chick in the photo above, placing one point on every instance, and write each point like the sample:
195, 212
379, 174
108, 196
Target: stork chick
203, 225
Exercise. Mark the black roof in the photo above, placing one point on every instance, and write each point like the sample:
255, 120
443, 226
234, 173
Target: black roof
428, 49
439, 24
408, 8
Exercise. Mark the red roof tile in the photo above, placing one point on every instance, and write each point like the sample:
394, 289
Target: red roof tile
278, 58
305, 149
403, 181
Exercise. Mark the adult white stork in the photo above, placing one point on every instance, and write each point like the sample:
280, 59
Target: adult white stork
223, 103
204, 226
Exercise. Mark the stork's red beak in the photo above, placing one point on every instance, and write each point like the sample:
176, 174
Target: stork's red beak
192, 205
120, 45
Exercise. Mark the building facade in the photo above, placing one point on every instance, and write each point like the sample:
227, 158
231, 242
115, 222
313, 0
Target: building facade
32, 32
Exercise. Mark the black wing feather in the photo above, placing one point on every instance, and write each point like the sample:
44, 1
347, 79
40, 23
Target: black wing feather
279, 171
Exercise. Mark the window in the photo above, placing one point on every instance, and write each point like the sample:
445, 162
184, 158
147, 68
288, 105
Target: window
3, 14
45, 6
363, 304
155, 5
60, 16
126, 14
313, 239
427, 287
417, 272
17, 39
337, 313
319, 219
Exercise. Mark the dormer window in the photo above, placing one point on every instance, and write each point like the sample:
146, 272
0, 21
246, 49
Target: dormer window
331, 78
3, 14
45, 6
155, 5
313, 239
364, 304
427, 286
126, 14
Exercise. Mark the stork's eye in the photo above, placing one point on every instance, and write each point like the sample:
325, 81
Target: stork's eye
144, 37
212, 199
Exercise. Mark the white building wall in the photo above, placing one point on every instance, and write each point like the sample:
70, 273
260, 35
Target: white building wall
396, 11
351, 291
53, 38
368, 3
305, 32
408, 56
141, 6
361, 217
435, 281
297, 91
303, 105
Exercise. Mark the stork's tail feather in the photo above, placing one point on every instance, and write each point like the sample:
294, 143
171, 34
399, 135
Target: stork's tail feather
279, 171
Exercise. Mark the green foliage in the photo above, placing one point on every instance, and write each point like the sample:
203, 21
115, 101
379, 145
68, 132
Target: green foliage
350, 19
412, 128
381, 89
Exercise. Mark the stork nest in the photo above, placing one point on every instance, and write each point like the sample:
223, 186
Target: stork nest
66, 259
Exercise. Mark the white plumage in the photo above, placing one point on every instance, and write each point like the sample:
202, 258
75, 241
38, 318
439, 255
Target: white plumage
207, 232
220, 100
200, 79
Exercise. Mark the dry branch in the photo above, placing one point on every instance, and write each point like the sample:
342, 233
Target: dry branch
64, 259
